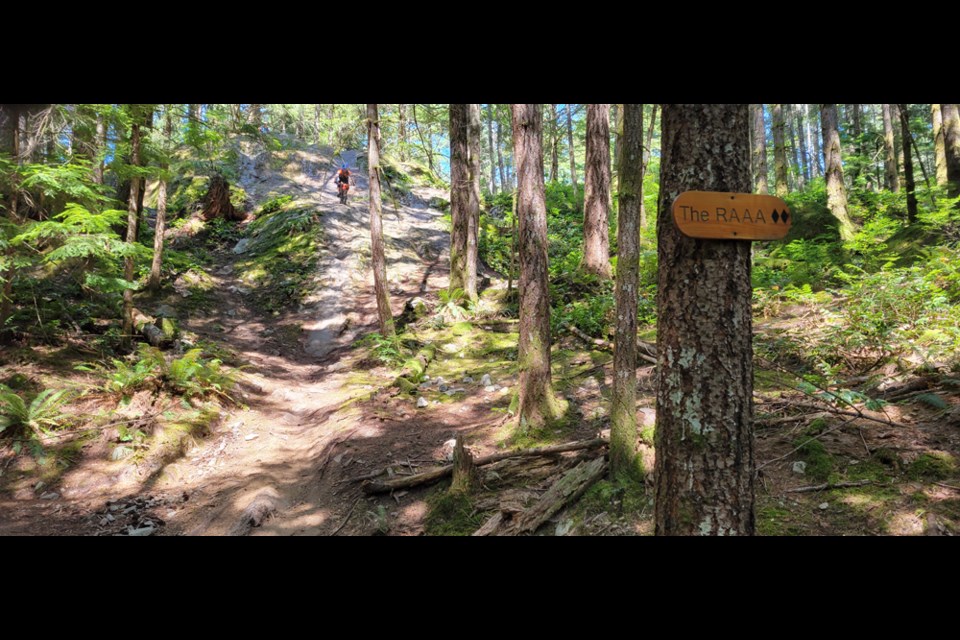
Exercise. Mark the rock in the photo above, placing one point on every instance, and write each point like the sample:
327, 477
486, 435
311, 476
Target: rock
451, 392
252, 436
800, 467
422, 402
232, 313
563, 527
824, 506
490, 389
109, 518
50, 495
426, 378
242, 246
143, 531
443, 388
165, 311
439, 381
467, 380
486, 381
227, 269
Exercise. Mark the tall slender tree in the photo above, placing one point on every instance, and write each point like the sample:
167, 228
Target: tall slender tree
461, 202
377, 251
503, 176
647, 150
704, 437
951, 140
798, 113
161, 223
491, 151
537, 403
813, 140
623, 400
402, 130
908, 181
796, 172
571, 150
779, 151
891, 177
474, 130
836, 192
940, 148
136, 115
856, 132
596, 187
554, 145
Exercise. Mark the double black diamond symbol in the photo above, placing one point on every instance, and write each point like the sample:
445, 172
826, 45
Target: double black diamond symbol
777, 216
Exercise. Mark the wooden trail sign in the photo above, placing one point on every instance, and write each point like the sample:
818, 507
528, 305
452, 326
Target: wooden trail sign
731, 216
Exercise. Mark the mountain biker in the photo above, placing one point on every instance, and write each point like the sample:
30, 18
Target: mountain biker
343, 178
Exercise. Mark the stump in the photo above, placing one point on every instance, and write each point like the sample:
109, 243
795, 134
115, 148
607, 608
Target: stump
465, 477
216, 204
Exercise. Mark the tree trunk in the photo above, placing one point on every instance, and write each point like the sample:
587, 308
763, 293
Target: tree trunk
617, 140
554, 145
538, 405
6, 303
378, 258
795, 171
704, 436
854, 120
100, 149
802, 139
779, 152
402, 117
940, 149
161, 226
132, 219
891, 178
836, 192
571, 151
316, 123
647, 150
951, 139
813, 140
908, 164
427, 148
474, 131
623, 402
503, 176
460, 198
596, 190
465, 476
490, 151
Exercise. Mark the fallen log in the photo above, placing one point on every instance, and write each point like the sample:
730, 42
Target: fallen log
146, 326
642, 352
568, 488
414, 368
444, 471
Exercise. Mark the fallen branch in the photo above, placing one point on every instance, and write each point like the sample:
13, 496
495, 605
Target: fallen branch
827, 485
608, 346
347, 519
788, 419
857, 414
948, 486
444, 471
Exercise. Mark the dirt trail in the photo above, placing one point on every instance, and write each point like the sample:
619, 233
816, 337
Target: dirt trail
273, 457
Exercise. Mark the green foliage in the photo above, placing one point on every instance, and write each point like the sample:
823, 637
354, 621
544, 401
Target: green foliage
936, 465
189, 375
451, 514
386, 349
451, 304
39, 416
820, 464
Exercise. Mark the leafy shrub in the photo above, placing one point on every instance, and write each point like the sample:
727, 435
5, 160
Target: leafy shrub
39, 416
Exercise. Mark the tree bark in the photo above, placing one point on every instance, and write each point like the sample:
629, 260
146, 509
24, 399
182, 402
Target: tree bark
554, 145
504, 185
6, 303
617, 135
474, 148
465, 477
161, 225
940, 149
795, 170
99, 150
461, 201
596, 190
571, 151
891, 178
378, 258
402, 117
951, 139
836, 192
490, 151
623, 402
704, 437
538, 405
781, 187
132, 220
856, 130
908, 181
813, 139
802, 141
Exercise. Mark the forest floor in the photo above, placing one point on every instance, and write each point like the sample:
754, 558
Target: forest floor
318, 411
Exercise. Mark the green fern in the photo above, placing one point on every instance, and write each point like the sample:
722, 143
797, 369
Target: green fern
39, 417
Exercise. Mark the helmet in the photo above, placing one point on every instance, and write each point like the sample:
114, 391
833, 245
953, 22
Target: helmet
344, 166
